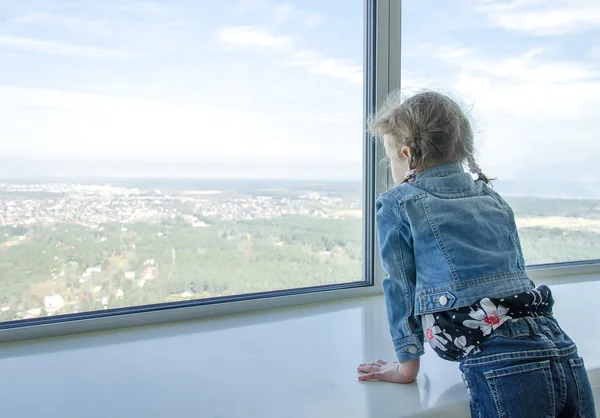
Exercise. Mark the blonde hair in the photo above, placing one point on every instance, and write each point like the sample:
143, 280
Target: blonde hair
432, 125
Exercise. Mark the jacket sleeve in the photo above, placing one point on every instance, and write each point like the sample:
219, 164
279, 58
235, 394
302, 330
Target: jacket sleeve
397, 258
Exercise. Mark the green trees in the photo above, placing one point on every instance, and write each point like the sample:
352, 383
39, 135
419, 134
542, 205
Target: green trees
543, 245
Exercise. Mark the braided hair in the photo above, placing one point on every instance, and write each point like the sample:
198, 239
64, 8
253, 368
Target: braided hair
433, 126
475, 169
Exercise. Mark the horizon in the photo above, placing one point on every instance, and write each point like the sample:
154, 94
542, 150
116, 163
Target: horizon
506, 187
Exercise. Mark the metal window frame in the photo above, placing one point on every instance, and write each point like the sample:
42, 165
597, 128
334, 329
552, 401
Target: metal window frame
382, 65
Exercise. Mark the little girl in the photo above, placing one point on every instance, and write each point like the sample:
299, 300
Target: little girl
457, 278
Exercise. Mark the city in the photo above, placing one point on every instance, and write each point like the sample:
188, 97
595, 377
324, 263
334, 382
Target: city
105, 246
102, 245
94, 205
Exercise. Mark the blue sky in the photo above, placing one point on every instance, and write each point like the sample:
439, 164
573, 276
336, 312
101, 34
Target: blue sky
254, 81
181, 80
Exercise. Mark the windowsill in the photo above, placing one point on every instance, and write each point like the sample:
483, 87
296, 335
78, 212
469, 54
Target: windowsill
294, 362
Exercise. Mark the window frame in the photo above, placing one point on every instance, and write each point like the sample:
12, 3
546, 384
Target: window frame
382, 46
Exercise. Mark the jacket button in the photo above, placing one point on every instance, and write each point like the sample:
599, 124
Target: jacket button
443, 300
412, 349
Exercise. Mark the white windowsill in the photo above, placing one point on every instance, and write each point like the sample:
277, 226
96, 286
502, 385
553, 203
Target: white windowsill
296, 362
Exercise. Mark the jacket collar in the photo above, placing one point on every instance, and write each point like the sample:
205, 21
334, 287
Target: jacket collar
441, 170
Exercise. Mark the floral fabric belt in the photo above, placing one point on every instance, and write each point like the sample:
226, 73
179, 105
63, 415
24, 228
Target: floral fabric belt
455, 333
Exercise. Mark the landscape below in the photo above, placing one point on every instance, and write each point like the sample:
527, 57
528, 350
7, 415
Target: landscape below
68, 247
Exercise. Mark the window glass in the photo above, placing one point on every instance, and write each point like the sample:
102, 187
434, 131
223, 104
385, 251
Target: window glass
529, 72
164, 151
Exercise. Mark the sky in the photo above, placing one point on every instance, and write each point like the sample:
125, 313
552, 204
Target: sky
271, 86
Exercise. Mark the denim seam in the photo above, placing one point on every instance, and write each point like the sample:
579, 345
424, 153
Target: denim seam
448, 190
573, 363
463, 284
403, 199
563, 387
408, 299
407, 341
550, 325
506, 218
517, 355
458, 286
440, 244
548, 374
442, 173
554, 328
541, 365
492, 385
544, 338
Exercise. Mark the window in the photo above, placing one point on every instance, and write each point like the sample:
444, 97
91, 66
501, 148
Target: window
173, 151
530, 73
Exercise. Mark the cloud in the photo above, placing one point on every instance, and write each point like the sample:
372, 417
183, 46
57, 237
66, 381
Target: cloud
72, 124
285, 13
60, 48
412, 82
100, 125
244, 36
547, 17
148, 8
316, 63
245, 6
315, 20
72, 23
281, 14
311, 60
530, 108
529, 66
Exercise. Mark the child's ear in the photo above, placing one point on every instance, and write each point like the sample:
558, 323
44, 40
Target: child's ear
405, 151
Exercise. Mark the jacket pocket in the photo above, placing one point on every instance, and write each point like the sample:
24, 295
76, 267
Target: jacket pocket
524, 390
585, 398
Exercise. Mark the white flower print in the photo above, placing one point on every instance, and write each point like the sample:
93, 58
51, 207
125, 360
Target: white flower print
461, 343
488, 318
434, 334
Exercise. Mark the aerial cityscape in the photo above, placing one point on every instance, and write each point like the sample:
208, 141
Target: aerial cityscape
101, 246
74, 246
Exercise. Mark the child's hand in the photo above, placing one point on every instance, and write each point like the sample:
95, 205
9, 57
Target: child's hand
390, 372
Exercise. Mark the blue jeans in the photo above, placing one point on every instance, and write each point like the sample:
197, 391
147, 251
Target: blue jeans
528, 368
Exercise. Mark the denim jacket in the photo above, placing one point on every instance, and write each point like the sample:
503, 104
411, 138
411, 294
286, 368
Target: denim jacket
446, 241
